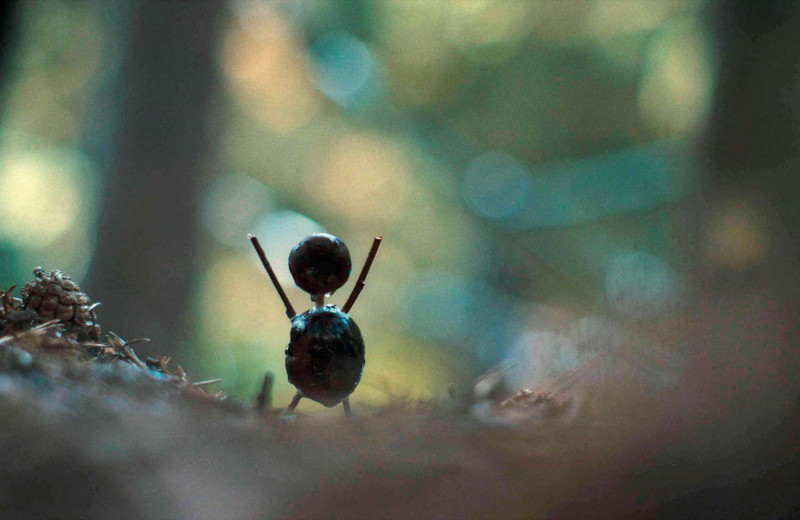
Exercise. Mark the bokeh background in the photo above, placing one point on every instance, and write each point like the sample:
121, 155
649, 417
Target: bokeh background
528, 164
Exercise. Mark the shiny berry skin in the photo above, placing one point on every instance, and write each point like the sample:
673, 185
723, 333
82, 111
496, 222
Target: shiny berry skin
325, 355
320, 264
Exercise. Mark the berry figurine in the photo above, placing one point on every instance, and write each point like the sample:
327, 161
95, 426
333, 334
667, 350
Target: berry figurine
325, 355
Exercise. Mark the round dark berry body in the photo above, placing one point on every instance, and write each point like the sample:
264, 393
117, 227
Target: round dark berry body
325, 355
320, 264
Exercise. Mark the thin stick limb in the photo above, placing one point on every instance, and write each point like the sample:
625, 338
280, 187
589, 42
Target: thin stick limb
362, 278
207, 382
346, 404
295, 401
289, 309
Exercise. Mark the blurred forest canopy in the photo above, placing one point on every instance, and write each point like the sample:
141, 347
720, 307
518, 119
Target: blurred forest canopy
526, 163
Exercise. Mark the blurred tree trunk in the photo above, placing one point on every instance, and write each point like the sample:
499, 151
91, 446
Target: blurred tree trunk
740, 390
8, 20
745, 348
146, 247
752, 141
8, 17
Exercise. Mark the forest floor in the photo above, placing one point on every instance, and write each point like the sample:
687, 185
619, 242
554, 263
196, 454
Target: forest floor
89, 430
99, 436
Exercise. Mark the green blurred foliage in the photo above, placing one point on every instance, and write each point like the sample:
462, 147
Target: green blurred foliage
367, 118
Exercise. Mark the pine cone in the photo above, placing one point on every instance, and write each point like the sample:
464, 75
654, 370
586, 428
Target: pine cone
55, 296
8, 303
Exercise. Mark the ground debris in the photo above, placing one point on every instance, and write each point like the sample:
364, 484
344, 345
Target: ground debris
526, 399
30, 328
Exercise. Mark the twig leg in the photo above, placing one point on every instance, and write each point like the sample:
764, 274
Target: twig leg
346, 404
293, 404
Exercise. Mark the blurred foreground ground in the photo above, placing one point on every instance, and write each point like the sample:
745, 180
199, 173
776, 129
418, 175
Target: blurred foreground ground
87, 439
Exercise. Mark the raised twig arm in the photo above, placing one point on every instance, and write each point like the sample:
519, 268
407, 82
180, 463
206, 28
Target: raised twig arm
361, 282
289, 309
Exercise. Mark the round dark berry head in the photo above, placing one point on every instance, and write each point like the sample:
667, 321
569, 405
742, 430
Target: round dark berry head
320, 263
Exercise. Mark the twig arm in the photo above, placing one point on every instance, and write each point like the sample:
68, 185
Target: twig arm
362, 278
289, 309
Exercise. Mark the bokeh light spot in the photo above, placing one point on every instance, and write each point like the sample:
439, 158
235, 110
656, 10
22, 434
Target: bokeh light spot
496, 185
231, 205
539, 355
363, 177
640, 285
435, 305
488, 31
40, 198
737, 235
265, 66
342, 67
230, 288
608, 18
675, 94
